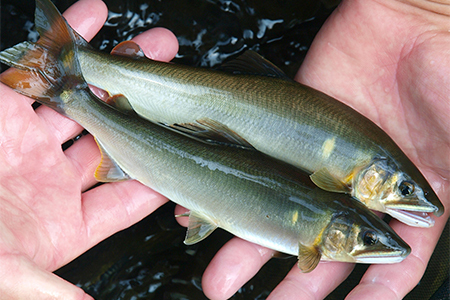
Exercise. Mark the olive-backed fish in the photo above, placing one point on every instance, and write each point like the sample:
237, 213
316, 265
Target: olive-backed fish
247, 193
258, 107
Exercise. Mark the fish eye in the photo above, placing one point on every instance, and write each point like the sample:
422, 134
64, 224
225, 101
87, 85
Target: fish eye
406, 188
370, 238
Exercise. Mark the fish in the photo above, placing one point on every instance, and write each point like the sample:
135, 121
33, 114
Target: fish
252, 104
247, 193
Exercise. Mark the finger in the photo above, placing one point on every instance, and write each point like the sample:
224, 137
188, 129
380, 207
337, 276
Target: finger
180, 210
315, 285
238, 261
115, 206
13, 106
87, 17
84, 155
61, 127
22, 279
158, 44
235, 263
396, 280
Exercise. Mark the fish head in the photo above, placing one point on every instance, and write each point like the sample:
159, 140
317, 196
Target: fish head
362, 237
382, 187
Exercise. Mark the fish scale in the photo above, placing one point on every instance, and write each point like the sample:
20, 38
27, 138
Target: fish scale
235, 98
277, 116
247, 193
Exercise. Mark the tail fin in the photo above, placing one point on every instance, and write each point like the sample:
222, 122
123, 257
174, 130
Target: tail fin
49, 67
43, 26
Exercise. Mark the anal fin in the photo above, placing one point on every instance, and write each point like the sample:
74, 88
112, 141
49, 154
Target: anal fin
108, 170
199, 228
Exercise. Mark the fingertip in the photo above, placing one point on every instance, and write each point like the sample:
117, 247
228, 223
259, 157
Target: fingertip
315, 285
180, 210
87, 17
235, 263
371, 291
158, 43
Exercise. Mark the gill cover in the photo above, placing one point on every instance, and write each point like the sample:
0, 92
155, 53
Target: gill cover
383, 188
361, 237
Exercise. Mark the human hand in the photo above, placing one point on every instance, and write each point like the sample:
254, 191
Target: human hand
49, 211
388, 60
233, 265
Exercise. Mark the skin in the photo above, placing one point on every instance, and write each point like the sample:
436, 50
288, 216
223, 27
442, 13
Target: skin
386, 59
47, 218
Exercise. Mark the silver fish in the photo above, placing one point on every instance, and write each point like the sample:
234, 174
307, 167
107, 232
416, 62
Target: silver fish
343, 150
246, 193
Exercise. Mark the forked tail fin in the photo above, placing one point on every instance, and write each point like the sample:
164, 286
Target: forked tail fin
46, 69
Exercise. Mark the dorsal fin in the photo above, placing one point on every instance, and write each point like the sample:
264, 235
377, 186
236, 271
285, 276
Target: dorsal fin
108, 170
251, 63
128, 49
212, 132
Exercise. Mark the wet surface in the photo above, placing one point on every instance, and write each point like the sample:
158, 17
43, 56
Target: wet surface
149, 259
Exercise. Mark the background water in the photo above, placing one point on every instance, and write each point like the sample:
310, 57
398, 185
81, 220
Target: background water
149, 259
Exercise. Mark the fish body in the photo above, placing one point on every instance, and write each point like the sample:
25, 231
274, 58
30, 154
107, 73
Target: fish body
278, 117
247, 193
343, 150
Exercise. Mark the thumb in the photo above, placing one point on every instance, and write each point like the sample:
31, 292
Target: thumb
21, 278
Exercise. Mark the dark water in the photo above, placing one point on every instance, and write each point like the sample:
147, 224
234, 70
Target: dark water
149, 259
208, 31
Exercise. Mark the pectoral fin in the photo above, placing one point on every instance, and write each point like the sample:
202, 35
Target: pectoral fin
308, 258
212, 132
108, 170
323, 179
128, 49
199, 228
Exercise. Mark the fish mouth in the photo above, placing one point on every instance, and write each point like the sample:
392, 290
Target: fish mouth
413, 211
391, 259
411, 218
388, 257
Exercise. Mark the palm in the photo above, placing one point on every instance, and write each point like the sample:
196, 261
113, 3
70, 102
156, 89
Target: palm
48, 198
390, 65
47, 217
391, 70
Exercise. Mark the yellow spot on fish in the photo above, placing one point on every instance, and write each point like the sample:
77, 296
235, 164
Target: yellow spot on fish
295, 217
328, 147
